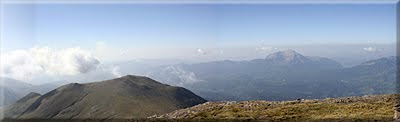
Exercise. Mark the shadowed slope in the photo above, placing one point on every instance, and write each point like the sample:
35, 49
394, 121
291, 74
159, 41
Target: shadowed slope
125, 97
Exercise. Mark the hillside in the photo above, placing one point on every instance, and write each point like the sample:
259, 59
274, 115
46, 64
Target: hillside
376, 107
125, 97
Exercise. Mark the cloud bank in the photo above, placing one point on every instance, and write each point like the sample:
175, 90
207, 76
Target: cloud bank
26, 64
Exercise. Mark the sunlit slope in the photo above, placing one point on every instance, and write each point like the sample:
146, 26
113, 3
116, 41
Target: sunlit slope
378, 107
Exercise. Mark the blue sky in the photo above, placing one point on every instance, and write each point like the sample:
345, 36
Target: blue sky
50, 41
195, 25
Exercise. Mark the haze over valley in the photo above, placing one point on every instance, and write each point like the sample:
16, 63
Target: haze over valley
282, 75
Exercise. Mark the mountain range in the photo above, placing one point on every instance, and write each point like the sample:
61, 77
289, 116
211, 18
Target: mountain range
284, 75
12, 89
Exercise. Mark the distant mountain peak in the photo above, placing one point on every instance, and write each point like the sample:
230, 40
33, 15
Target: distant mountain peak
287, 56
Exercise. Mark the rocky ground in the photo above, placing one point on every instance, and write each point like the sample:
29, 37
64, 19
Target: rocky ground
365, 108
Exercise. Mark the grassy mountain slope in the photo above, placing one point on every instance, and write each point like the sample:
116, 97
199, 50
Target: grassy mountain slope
376, 107
125, 97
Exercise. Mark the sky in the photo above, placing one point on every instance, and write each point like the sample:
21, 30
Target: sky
73, 39
195, 25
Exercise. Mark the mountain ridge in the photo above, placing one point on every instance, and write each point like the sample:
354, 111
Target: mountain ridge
126, 97
312, 77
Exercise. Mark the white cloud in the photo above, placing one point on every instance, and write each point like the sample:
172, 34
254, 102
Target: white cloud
26, 64
115, 71
185, 76
175, 75
370, 49
201, 51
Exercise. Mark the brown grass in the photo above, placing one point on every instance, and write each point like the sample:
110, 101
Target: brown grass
367, 108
